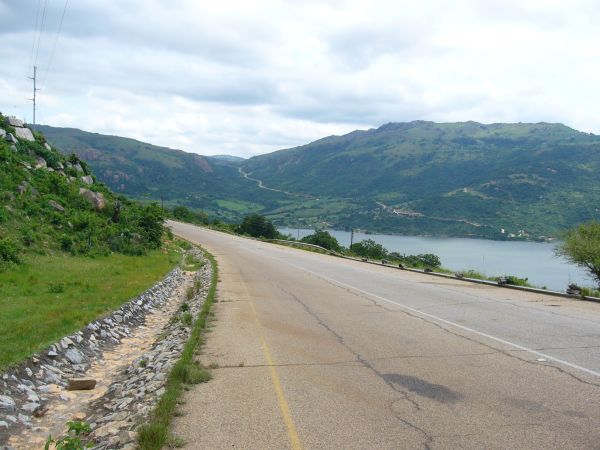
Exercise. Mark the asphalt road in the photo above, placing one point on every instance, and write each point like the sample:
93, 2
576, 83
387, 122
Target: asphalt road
324, 353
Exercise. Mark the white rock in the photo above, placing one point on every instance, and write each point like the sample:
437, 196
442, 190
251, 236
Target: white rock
87, 180
74, 356
6, 402
24, 133
14, 122
30, 407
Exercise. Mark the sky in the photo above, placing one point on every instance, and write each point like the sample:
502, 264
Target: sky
250, 77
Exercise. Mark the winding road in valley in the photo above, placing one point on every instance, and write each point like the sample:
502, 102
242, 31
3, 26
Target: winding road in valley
260, 184
317, 352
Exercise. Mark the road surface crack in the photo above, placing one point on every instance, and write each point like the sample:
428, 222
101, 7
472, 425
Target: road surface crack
405, 396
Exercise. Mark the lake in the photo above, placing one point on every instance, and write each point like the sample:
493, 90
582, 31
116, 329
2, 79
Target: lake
533, 260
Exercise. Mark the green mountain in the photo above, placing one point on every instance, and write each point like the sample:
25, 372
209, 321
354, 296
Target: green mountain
452, 178
455, 179
150, 172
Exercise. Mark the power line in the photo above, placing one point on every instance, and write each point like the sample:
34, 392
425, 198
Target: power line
62, 18
37, 50
35, 28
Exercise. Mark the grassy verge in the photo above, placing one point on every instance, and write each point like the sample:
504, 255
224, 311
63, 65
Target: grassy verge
154, 434
52, 296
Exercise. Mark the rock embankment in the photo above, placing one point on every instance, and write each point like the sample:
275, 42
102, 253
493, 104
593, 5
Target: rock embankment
28, 391
138, 387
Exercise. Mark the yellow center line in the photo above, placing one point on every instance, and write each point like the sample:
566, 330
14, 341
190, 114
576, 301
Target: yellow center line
283, 405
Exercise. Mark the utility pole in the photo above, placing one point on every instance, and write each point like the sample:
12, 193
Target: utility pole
351, 237
35, 89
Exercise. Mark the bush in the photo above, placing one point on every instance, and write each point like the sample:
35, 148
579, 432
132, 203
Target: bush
151, 224
429, 260
369, 249
9, 251
323, 239
66, 243
421, 260
582, 247
516, 281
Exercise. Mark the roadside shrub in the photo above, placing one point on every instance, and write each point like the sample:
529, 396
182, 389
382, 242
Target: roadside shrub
66, 243
186, 319
369, 249
323, 239
9, 251
150, 222
421, 260
27, 237
516, 281
56, 288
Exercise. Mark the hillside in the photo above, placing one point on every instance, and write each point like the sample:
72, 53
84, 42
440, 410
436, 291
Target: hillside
150, 172
53, 204
447, 179
454, 178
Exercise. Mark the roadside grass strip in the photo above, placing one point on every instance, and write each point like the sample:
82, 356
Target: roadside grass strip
49, 297
154, 434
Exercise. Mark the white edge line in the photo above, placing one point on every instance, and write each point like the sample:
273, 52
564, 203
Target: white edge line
456, 325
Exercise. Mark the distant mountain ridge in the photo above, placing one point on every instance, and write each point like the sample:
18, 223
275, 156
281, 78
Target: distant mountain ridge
458, 179
151, 172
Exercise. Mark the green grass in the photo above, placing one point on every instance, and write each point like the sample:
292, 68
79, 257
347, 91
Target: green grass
238, 206
51, 296
154, 434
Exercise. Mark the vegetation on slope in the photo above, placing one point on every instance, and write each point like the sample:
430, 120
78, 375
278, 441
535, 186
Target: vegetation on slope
152, 173
69, 247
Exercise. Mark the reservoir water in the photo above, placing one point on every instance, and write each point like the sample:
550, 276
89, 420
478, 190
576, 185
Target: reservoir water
533, 260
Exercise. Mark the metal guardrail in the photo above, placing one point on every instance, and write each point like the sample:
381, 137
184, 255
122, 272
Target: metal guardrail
444, 275
306, 244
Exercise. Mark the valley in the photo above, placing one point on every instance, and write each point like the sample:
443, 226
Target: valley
497, 181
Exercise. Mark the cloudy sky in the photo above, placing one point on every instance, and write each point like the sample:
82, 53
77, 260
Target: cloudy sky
249, 77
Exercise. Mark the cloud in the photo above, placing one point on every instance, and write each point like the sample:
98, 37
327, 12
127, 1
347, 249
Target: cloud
250, 77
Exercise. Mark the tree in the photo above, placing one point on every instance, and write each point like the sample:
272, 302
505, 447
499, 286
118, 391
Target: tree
323, 239
150, 223
429, 260
258, 226
582, 247
369, 249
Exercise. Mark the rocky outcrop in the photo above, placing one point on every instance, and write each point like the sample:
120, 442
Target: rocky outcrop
57, 206
88, 180
24, 133
95, 198
15, 122
20, 130
40, 163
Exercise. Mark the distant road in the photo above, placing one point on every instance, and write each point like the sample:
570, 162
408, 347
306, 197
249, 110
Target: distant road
260, 184
324, 353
